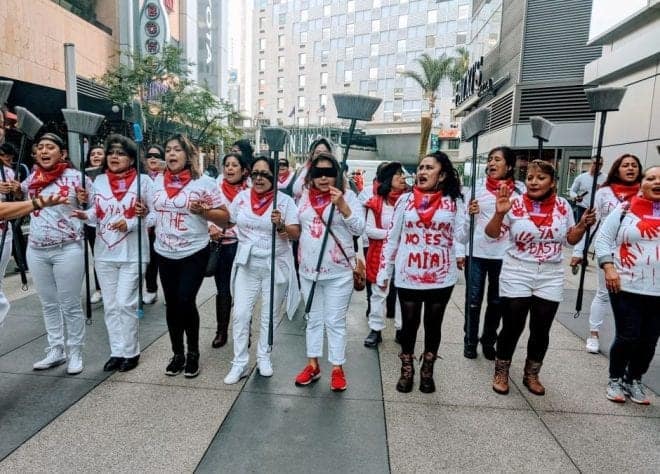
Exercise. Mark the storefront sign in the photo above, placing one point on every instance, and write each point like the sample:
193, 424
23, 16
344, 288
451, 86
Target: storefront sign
154, 27
208, 21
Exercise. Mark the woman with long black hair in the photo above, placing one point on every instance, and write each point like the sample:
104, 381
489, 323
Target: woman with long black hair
94, 164
419, 253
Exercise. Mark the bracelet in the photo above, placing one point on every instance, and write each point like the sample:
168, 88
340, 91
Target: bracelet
35, 204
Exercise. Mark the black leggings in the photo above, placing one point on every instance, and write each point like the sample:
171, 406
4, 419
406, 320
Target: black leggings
90, 233
434, 301
514, 314
181, 280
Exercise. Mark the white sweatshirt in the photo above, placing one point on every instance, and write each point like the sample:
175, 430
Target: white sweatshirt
179, 232
112, 245
582, 187
54, 225
531, 243
372, 230
424, 257
636, 257
312, 229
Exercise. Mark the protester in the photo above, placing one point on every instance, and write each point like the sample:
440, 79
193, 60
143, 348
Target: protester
580, 191
621, 185
334, 278
155, 160
234, 173
320, 145
419, 252
244, 147
8, 155
113, 211
55, 253
487, 256
94, 164
183, 201
532, 278
253, 215
628, 249
8, 186
284, 176
380, 208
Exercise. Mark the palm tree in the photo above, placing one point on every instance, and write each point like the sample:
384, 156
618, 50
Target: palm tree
434, 70
460, 64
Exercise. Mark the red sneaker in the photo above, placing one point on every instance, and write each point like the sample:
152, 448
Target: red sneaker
308, 375
338, 380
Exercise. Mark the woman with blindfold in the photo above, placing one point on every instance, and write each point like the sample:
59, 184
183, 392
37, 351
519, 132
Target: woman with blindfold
335, 276
284, 176
320, 145
253, 217
231, 182
155, 160
420, 251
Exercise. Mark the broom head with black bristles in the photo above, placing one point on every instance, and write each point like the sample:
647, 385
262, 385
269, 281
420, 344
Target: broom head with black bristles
27, 123
275, 137
81, 122
541, 128
356, 107
604, 99
474, 124
5, 89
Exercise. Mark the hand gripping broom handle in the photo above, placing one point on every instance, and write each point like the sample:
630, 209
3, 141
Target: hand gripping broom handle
137, 133
473, 192
88, 293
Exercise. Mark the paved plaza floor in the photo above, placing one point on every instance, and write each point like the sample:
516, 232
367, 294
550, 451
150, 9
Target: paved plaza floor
144, 421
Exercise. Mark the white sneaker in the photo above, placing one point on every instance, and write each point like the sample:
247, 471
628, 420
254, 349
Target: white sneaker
75, 361
55, 356
149, 298
236, 374
96, 297
265, 367
593, 345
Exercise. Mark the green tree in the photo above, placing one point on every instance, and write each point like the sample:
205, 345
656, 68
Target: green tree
460, 64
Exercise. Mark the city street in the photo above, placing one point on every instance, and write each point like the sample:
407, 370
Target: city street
144, 421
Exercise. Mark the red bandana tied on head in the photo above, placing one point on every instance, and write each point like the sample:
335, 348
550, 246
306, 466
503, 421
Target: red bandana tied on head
649, 216
176, 182
43, 178
319, 200
426, 204
540, 212
493, 185
624, 192
231, 190
121, 182
260, 202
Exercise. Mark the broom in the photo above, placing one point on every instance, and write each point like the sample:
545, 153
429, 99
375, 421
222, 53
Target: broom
354, 108
84, 124
138, 124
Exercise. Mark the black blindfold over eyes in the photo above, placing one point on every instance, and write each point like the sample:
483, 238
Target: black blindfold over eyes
262, 174
319, 172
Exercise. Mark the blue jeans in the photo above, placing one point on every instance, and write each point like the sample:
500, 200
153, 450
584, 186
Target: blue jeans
474, 295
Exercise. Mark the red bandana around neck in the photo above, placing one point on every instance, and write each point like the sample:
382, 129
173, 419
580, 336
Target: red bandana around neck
426, 204
540, 212
319, 200
624, 192
375, 202
43, 178
121, 182
231, 190
281, 178
176, 182
260, 202
393, 197
649, 216
493, 185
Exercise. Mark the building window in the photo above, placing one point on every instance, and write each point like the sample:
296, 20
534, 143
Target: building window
303, 37
324, 78
262, 44
348, 76
301, 121
280, 62
349, 53
262, 23
323, 100
401, 46
463, 12
262, 85
373, 73
325, 34
430, 41
281, 19
376, 4
433, 16
350, 6
280, 41
350, 29
403, 21
280, 104
326, 10
325, 54
301, 102
374, 49
280, 83
304, 15
461, 37
262, 65
261, 104
302, 59
301, 80
375, 25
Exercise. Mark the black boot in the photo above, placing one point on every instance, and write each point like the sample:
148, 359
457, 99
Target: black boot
222, 312
405, 382
426, 383
373, 339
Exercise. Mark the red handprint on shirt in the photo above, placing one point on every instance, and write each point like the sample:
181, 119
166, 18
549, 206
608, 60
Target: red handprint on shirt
648, 229
130, 213
627, 257
523, 239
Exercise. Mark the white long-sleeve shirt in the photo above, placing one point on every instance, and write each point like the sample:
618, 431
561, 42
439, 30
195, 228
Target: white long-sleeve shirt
636, 257
179, 232
582, 187
424, 257
112, 245
334, 263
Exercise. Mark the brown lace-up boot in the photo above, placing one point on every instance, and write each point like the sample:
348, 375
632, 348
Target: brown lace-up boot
426, 383
405, 382
501, 378
531, 377
222, 314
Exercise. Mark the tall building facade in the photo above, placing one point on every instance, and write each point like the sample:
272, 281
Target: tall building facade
306, 50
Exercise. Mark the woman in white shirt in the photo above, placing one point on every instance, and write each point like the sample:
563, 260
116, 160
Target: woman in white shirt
628, 251
182, 202
335, 277
420, 254
113, 212
253, 217
532, 278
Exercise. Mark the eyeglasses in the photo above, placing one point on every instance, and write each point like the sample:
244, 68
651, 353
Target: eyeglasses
261, 174
284, 164
153, 155
317, 172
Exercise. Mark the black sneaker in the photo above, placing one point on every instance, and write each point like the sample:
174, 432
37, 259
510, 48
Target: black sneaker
129, 363
192, 365
470, 352
373, 339
113, 364
176, 365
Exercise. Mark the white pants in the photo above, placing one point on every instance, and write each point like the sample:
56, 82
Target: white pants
58, 273
378, 304
6, 255
600, 306
251, 281
328, 311
119, 284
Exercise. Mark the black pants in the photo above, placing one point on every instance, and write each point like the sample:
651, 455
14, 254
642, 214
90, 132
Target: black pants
474, 295
226, 256
151, 275
181, 280
514, 315
90, 234
411, 301
637, 329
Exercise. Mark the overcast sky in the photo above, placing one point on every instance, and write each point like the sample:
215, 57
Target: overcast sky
607, 13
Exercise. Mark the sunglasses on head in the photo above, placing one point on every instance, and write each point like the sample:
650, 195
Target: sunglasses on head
261, 174
153, 155
317, 172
